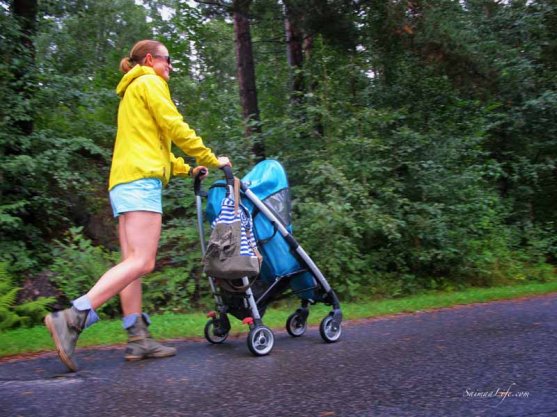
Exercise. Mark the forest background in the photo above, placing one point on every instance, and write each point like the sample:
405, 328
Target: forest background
419, 136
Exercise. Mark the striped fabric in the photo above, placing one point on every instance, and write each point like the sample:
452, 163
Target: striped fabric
227, 216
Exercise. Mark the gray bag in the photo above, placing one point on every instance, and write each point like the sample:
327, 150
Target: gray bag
232, 251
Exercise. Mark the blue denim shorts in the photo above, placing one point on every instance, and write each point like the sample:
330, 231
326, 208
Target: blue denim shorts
140, 195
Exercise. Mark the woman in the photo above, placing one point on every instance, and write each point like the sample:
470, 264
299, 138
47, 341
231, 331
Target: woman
148, 124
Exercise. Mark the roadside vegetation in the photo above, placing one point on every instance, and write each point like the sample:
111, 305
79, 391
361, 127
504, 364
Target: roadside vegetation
25, 341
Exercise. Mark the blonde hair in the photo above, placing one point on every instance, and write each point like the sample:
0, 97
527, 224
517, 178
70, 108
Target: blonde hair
138, 53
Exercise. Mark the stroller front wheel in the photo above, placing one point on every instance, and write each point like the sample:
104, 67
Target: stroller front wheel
329, 330
260, 340
212, 334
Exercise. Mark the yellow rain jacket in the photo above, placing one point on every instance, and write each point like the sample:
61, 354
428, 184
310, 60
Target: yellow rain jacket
148, 123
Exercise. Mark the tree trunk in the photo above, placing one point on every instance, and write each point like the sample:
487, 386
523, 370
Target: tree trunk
295, 55
299, 44
246, 74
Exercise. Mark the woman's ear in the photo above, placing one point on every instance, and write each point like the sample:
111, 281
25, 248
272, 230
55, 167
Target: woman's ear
148, 60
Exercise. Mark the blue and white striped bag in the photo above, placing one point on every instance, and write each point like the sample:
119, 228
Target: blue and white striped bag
232, 250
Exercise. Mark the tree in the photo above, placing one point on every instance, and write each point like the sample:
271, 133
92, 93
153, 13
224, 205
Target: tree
246, 73
239, 10
294, 51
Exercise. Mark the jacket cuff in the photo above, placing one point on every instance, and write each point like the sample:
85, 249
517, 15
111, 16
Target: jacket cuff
179, 167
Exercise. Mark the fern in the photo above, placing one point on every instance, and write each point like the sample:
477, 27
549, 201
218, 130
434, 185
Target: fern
33, 312
8, 319
7, 299
25, 314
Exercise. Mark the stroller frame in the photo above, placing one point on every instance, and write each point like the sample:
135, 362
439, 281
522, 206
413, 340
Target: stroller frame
260, 338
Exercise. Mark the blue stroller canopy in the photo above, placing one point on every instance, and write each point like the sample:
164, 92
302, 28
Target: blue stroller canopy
268, 181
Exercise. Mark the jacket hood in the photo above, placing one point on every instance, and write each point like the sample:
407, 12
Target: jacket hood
132, 75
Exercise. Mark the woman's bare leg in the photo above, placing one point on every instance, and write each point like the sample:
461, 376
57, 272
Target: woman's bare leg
142, 230
140, 343
131, 296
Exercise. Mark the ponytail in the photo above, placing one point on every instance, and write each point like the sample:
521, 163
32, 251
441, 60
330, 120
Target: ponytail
126, 64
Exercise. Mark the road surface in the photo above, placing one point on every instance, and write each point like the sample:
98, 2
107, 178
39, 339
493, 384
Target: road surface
495, 359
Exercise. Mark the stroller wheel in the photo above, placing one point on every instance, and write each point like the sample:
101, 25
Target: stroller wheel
329, 331
260, 340
296, 325
212, 334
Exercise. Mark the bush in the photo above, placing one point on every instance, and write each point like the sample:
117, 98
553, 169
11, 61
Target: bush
170, 290
79, 264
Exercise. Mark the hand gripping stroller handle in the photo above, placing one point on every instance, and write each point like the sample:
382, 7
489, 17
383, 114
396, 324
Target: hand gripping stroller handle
197, 181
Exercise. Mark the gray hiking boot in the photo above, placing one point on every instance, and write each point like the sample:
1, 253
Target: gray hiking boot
142, 346
65, 327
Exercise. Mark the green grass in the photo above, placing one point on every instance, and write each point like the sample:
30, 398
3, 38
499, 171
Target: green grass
175, 326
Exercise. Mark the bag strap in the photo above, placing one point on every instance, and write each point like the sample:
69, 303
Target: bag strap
254, 246
236, 195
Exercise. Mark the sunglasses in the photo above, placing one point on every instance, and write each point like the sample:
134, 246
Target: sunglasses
166, 57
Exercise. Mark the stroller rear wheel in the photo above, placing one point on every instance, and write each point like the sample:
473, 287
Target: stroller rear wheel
296, 324
213, 334
261, 340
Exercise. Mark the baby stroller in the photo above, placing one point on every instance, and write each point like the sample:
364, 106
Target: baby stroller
286, 268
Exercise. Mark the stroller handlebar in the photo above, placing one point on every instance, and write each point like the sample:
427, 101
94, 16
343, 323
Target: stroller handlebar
197, 181
228, 174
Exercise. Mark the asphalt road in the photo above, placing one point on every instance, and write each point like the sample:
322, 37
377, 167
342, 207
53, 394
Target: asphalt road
496, 359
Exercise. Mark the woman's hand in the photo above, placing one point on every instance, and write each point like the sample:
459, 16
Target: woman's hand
195, 171
224, 161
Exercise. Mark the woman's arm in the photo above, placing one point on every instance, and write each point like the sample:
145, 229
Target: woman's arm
174, 127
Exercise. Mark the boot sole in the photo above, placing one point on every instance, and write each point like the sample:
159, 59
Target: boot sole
61, 353
154, 356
